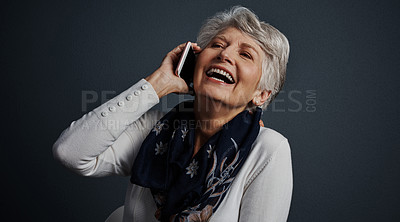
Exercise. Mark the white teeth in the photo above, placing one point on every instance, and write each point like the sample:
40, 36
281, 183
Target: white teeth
217, 79
222, 72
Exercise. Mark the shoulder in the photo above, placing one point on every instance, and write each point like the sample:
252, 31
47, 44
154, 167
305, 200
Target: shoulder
269, 140
269, 146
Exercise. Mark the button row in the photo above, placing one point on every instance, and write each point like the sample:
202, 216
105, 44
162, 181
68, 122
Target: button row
129, 97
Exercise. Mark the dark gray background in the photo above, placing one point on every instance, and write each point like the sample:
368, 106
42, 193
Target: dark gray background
343, 63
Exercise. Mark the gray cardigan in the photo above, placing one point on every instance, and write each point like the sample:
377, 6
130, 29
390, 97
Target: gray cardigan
106, 140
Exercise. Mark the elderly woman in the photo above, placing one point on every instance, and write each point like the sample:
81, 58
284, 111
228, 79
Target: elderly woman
207, 159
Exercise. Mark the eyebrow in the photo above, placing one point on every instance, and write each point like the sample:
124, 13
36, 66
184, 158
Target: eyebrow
242, 45
246, 45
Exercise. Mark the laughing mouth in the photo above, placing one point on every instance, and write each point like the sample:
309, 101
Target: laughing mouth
220, 75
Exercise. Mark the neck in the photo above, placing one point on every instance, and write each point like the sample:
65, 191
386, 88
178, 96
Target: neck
211, 115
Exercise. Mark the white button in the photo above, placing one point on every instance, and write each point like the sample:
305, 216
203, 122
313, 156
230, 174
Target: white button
129, 97
144, 87
112, 108
136, 93
104, 114
120, 103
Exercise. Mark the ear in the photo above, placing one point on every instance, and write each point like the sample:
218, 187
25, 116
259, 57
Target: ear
261, 97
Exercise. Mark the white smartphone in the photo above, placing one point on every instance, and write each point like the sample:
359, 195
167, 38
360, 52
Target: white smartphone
186, 64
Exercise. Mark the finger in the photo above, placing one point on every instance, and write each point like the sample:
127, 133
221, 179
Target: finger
175, 53
196, 48
177, 50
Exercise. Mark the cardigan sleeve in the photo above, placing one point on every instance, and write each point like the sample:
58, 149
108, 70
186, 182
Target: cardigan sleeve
268, 196
106, 140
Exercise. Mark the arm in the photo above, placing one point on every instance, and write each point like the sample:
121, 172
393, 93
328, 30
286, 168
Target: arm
106, 140
268, 196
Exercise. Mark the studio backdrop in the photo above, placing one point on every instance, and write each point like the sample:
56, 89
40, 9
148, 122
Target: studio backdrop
338, 108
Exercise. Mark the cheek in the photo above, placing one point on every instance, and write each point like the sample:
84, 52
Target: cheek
257, 72
252, 77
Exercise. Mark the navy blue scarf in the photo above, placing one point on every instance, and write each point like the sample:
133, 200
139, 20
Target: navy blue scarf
186, 188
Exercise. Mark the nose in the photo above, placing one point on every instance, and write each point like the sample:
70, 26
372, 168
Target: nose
225, 56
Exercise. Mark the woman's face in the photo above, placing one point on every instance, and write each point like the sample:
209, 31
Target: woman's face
229, 68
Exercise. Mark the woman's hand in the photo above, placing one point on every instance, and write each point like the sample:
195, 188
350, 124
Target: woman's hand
164, 80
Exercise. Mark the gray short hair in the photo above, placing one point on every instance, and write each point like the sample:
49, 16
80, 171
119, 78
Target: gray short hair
271, 40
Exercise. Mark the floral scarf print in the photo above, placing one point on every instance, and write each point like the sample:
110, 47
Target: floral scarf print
185, 188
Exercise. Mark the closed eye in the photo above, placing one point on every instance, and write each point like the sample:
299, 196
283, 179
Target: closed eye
217, 45
246, 55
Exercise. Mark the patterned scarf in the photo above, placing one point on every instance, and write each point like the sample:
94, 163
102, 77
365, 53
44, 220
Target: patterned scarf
186, 188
